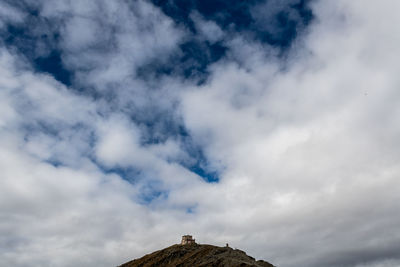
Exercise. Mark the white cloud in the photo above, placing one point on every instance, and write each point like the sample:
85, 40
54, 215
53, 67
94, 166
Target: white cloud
318, 139
9, 14
56, 214
107, 41
308, 149
209, 30
81, 33
118, 142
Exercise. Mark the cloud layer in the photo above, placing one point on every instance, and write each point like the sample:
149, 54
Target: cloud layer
124, 125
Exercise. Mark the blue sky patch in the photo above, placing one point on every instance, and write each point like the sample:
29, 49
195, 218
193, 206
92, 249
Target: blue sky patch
39, 39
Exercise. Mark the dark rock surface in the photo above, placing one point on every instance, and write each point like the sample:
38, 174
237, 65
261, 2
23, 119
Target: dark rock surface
197, 255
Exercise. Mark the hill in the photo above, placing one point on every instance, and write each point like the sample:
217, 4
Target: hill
197, 255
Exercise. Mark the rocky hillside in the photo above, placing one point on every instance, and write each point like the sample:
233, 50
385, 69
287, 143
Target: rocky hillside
197, 255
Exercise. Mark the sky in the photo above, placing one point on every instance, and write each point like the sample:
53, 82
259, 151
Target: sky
271, 125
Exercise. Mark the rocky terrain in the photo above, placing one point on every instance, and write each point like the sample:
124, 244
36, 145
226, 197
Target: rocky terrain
197, 255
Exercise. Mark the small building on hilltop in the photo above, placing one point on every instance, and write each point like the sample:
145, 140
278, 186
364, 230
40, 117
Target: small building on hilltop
188, 240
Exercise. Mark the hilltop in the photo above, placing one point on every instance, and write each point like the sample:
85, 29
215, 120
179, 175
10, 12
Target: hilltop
197, 255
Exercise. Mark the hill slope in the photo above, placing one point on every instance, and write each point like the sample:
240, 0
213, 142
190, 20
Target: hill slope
197, 255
